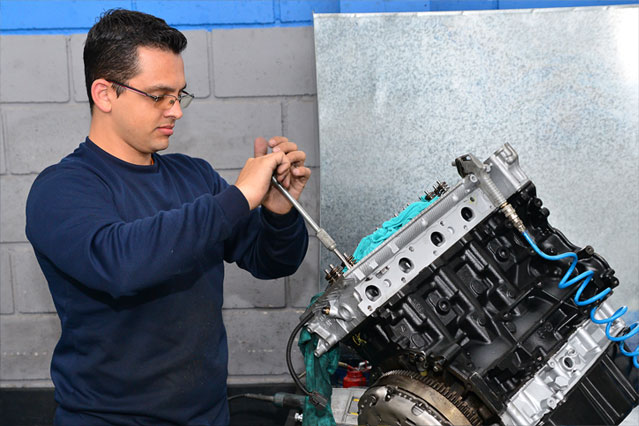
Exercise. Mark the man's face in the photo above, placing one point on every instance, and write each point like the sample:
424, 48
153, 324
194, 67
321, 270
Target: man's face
137, 119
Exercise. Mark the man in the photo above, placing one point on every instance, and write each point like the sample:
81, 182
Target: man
132, 243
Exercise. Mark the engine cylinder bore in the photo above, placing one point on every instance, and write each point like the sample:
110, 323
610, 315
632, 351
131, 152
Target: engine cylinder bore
372, 292
437, 238
405, 265
467, 213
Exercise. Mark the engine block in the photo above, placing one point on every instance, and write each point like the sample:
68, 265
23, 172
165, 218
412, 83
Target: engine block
458, 314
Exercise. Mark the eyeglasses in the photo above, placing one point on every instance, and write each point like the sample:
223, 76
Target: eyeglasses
162, 101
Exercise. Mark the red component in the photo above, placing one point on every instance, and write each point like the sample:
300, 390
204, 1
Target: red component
354, 377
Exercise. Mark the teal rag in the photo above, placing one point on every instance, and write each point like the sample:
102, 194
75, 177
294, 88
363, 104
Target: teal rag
318, 377
388, 228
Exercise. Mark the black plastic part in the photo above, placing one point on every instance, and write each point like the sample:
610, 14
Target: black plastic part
289, 400
318, 400
289, 345
603, 397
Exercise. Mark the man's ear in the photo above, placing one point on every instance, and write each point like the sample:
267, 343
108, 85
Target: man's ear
101, 94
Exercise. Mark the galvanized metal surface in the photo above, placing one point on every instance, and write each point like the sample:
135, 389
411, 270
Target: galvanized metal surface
552, 383
400, 95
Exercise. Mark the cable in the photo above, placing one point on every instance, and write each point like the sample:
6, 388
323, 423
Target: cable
280, 399
252, 396
584, 278
315, 398
289, 363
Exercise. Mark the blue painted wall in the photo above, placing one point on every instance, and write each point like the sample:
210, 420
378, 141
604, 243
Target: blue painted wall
77, 16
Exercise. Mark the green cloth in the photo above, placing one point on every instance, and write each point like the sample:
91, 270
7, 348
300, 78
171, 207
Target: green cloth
388, 228
318, 377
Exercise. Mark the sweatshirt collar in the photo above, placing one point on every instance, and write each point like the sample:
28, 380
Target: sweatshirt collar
121, 163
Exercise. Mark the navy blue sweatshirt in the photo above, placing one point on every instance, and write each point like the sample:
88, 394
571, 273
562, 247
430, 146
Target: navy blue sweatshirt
134, 260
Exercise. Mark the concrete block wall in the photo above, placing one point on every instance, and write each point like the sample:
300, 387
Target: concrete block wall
248, 82
257, 80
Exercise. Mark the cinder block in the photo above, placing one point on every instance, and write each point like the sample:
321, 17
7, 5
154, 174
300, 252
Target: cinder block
263, 62
46, 14
27, 343
364, 6
257, 340
223, 132
304, 283
243, 290
6, 290
310, 198
468, 4
229, 175
13, 199
3, 166
76, 50
361, 6
207, 12
538, 4
41, 135
300, 126
31, 288
302, 10
196, 63
34, 68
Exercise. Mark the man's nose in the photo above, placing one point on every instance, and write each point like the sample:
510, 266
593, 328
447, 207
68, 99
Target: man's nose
175, 111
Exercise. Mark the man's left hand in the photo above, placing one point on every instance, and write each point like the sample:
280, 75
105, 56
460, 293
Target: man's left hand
293, 176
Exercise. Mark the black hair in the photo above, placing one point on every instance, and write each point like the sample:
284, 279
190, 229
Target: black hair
110, 51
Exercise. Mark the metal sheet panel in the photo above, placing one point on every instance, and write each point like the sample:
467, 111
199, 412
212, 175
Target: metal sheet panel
401, 95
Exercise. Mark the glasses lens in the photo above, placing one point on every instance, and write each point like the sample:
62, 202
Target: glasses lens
186, 100
165, 102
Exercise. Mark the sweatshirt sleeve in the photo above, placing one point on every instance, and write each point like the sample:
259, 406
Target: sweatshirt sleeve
268, 245
71, 220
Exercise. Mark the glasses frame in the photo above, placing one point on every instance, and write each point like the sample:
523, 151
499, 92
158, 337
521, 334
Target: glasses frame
157, 99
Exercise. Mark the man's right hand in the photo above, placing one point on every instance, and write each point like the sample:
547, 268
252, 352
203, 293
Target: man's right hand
255, 178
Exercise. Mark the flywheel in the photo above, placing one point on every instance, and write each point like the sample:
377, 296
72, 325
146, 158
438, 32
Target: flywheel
404, 398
